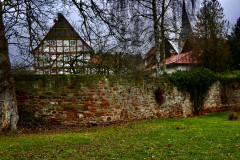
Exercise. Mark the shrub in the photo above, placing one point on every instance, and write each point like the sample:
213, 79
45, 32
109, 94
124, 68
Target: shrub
196, 82
233, 116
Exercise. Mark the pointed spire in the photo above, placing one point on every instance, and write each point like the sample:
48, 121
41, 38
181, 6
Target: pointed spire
186, 27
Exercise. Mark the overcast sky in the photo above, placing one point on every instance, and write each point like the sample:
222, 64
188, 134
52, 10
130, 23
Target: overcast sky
231, 10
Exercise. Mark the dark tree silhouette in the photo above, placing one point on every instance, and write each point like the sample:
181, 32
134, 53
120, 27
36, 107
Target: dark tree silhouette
234, 44
211, 31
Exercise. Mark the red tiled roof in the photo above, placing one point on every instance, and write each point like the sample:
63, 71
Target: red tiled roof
183, 58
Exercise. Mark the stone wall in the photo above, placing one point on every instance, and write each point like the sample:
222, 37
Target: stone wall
232, 95
84, 100
222, 98
74, 100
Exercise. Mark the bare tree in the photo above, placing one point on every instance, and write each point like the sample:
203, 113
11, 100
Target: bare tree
160, 20
136, 25
20, 23
8, 105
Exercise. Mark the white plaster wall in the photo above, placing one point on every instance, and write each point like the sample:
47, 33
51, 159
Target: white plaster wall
170, 70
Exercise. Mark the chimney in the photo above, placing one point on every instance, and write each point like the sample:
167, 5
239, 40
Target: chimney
59, 15
172, 52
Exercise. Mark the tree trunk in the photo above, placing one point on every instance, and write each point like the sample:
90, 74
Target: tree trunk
8, 104
156, 36
162, 48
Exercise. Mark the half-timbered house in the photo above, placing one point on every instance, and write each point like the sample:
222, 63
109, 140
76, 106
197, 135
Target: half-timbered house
62, 51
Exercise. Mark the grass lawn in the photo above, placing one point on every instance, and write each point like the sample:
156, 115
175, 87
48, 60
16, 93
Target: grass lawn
205, 137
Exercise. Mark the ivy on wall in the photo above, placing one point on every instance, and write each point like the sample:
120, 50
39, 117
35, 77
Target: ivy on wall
196, 82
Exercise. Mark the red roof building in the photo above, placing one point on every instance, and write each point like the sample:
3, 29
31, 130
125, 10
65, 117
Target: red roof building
175, 62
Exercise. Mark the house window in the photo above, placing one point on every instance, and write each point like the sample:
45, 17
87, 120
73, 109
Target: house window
60, 59
73, 57
52, 49
47, 58
38, 71
72, 49
80, 56
67, 57
66, 42
52, 43
60, 63
54, 71
59, 49
53, 57
47, 71
66, 71
60, 71
66, 49
45, 49
72, 43
46, 43
59, 42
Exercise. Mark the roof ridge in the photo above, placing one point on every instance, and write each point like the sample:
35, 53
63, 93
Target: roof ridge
185, 54
61, 16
